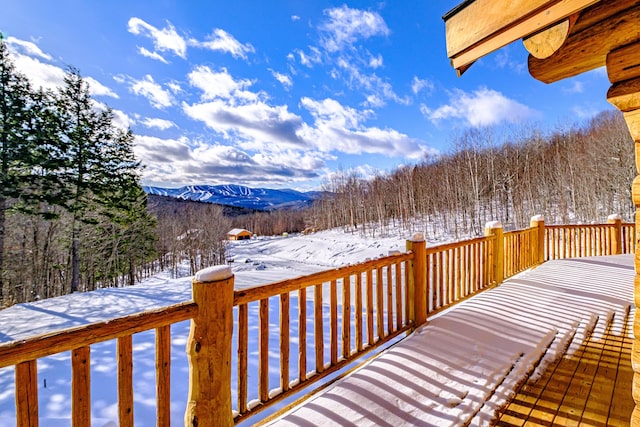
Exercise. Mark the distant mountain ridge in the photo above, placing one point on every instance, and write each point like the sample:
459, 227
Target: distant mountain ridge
240, 196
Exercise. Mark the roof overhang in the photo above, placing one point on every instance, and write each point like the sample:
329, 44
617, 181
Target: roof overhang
564, 37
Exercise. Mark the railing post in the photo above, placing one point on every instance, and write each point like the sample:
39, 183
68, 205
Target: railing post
494, 228
616, 233
209, 349
417, 280
537, 221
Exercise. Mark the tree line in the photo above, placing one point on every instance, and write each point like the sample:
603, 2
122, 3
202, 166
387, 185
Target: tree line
579, 174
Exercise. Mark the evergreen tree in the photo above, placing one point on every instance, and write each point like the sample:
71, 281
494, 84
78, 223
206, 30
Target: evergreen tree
100, 171
64, 165
16, 142
123, 204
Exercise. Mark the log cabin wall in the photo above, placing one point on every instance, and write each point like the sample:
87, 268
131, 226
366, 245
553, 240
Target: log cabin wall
623, 69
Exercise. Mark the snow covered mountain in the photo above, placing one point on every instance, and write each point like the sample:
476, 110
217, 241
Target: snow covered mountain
239, 195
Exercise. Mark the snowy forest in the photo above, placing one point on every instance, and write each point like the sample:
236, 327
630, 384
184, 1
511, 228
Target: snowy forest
74, 217
581, 173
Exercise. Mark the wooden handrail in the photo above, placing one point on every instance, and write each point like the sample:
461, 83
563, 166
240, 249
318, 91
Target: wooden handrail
446, 246
258, 292
39, 346
579, 240
586, 226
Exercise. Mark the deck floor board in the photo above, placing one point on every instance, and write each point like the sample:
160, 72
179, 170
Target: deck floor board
591, 387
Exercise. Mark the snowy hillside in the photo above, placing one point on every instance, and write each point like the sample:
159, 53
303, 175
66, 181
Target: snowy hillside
238, 195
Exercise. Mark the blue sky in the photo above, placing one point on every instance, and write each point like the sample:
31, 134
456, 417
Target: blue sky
282, 94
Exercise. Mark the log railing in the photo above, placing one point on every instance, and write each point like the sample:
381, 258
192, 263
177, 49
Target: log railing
25, 353
318, 324
520, 250
582, 240
308, 327
458, 270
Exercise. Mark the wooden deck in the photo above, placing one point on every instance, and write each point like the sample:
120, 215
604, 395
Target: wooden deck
591, 387
548, 347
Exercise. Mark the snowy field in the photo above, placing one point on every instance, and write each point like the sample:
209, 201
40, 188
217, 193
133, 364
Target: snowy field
441, 375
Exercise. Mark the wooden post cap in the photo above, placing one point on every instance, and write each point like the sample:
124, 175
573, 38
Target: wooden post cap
214, 274
537, 218
417, 237
614, 217
493, 224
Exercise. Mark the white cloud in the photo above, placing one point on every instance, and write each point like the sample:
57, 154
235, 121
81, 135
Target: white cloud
311, 58
222, 41
161, 124
340, 128
576, 87
376, 62
418, 85
503, 59
284, 79
122, 119
244, 117
221, 84
345, 26
164, 40
39, 73
374, 101
346, 58
585, 111
374, 86
155, 94
98, 89
253, 124
188, 161
229, 107
332, 113
153, 55
26, 48
295, 18
48, 76
483, 107
165, 160
174, 87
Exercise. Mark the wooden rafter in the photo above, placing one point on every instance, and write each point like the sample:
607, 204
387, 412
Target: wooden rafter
599, 30
545, 43
482, 26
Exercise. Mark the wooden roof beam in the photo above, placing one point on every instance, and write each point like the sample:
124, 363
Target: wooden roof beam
623, 69
545, 43
598, 31
480, 27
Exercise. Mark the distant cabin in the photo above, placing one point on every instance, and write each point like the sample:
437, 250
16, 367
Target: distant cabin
239, 234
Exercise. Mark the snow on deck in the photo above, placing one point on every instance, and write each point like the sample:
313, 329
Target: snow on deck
465, 364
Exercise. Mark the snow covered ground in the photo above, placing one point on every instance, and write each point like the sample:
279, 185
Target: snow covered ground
496, 353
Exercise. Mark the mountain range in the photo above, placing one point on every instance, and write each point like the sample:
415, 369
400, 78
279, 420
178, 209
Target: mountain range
239, 196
